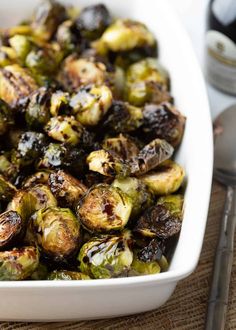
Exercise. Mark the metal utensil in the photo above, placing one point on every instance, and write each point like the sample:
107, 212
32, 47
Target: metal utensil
224, 172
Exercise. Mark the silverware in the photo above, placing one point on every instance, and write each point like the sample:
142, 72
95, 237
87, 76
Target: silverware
224, 172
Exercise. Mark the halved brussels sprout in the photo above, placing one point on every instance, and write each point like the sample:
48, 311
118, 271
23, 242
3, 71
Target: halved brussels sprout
6, 119
46, 19
107, 163
66, 188
36, 178
59, 103
7, 56
139, 267
107, 256
16, 84
127, 34
37, 112
7, 169
153, 154
67, 275
163, 121
65, 129
123, 117
40, 273
162, 220
21, 45
165, 179
18, 264
68, 36
57, 232
123, 146
11, 226
104, 208
90, 104
7, 189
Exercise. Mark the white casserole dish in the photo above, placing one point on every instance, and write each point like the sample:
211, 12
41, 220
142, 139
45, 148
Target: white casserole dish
74, 300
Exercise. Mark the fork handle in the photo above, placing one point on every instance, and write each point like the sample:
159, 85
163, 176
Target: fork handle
218, 301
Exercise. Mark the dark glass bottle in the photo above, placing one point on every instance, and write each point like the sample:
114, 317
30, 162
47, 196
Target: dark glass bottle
221, 45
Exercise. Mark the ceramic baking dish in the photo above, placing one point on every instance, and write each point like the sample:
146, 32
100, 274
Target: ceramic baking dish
73, 300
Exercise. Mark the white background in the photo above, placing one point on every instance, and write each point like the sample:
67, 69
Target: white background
193, 16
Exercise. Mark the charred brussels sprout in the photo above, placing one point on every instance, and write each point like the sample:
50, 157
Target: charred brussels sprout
18, 264
139, 267
137, 191
153, 154
6, 119
93, 20
126, 34
106, 257
11, 226
59, 103
67, 275
46, 19
91, 104
66, 188
57, 232
163, 121
162, 220
7, 190
68, 36
7, 169
21, 45
37, 112
16, 84
65, 129
36, 178
123, 146
166, 179
107, 163
104, 208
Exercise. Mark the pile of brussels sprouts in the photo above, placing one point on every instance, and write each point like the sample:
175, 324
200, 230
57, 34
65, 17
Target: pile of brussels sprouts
88, 127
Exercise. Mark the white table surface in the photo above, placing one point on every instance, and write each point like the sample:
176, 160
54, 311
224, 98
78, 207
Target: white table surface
193, 16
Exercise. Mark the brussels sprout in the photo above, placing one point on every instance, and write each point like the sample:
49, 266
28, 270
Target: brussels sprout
68, 36
138, 192
107, 163
151, 251
36, 178
7, 169
153, 154
166, 179
163, 262
6, 119
22, 29
107, 256
26, 202
29, 148
11, 226
59, 103
46, 19
40, 273
16, 84
123, 117
18, 264
104, 208
163, 121
162, 220
65, 129
67, 275
37, 112
66, 188
57, 232
90, 104
21, 44
143, 82
7, 56
123, 146
7, 190
127, 34
93, 20
139, 267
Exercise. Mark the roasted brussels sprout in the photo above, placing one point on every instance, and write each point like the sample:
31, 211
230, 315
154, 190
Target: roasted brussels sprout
144, 81
139, 267
66, 188
59, 103
36, 178
127, 34
40, 273
93, 21
46, 19
90, 104
11, 226
67, 275
7, 169
123, 146
107, 256
7, 56
6, 119
162, 220
16, 84
18, 263
65, 129
7, 190
21, 45
107, 163
163, 121
104, 208
165, 179
69, 37
153, 154
21, 29
37, 112
122, 118
138, 192
57, 232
